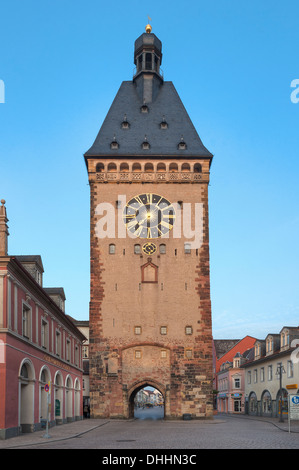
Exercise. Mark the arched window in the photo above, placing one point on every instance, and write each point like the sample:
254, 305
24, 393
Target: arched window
185, 167
69, 383
58, 379
27, 370
173, 167
136, 167
266, 403
43, 377
112, 167
197, 168
24, 372
100, 167
26, 397
161, 167
149, 167
124, 167
253, 407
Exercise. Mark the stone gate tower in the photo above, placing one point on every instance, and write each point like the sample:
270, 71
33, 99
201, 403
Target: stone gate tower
150, 309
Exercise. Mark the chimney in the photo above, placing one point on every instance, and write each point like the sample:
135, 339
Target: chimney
3, 229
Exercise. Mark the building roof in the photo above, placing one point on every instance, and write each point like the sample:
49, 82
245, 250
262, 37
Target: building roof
29, 259
163, 142
241, 346
143, 104
55, 291
223, 345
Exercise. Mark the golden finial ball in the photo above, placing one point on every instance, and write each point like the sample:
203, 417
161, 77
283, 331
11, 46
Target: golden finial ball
148, 28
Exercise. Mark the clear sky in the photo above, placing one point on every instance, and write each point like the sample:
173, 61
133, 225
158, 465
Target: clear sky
232, 63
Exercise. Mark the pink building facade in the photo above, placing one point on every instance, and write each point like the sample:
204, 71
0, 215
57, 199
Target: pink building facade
40, 347
231, 385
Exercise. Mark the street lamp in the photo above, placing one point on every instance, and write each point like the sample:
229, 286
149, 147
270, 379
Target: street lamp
280, 371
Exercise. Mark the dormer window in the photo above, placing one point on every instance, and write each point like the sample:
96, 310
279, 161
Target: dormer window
269, 345
144, 108
257, 350
236, 362
38, 277
114, 144
182, 145
284, 339
163, 123
145, 144
125, 124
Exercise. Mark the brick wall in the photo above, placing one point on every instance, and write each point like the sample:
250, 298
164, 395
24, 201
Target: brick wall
122, 362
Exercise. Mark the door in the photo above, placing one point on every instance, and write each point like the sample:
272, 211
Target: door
237, 406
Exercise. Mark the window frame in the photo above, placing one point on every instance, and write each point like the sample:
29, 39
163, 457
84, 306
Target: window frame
112, 249
188, 327
44, 333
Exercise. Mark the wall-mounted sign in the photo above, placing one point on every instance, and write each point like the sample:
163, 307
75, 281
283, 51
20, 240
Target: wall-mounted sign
292, 386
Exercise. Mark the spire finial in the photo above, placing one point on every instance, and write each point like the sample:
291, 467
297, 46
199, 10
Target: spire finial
3, 229
148, 27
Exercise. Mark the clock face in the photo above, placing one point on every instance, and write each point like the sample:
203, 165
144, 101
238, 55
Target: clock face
149, 248
149, 216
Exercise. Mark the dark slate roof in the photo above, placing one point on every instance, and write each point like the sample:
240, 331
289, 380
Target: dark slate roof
31, 259
224, 345
55, 291
147, 40
163, 142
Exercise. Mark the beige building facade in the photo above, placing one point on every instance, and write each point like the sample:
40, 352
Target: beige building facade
272, 356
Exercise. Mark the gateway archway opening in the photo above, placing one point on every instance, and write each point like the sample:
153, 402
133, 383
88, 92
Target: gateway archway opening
147, 403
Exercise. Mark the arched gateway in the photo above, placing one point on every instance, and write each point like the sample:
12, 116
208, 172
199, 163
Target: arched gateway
139, 386
150, 309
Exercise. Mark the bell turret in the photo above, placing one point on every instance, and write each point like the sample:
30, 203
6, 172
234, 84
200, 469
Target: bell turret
148, 76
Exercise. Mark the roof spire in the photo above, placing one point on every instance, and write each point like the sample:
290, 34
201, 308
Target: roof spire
3, 229
148, 27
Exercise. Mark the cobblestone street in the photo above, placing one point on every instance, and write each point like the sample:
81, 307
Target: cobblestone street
223, 432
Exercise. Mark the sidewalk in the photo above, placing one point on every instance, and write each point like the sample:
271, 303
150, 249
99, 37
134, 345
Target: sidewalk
56, 433
284, 426
77, 428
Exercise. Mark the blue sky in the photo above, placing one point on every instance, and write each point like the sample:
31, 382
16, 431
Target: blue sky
232, 64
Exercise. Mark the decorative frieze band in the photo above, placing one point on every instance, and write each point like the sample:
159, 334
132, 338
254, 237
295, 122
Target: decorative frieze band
131, 177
